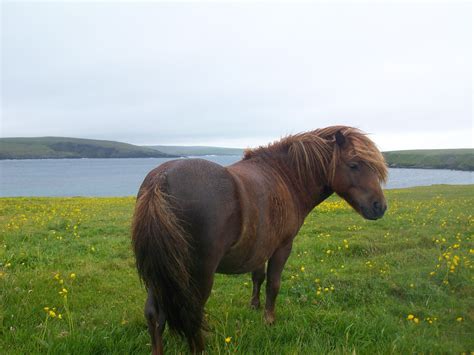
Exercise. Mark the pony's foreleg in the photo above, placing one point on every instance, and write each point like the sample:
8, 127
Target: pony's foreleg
274, 270
156, 324
258, 276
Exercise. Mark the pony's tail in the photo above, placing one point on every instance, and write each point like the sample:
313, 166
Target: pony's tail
163, 257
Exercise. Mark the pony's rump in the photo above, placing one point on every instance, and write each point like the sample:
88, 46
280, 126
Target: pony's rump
162, 250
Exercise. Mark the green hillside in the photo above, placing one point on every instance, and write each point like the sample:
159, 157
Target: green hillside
61, 147
456, 159
196, 150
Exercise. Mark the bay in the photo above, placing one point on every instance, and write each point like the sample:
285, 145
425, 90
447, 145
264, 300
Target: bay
122, 177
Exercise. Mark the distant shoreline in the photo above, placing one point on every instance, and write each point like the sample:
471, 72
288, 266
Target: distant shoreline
78, 148
93, 158
390, 166
427, 168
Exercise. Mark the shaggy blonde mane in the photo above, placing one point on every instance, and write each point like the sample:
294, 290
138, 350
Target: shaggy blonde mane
316, 153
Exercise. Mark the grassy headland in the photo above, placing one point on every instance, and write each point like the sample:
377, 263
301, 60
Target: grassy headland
456, 159
61, 147
402, 284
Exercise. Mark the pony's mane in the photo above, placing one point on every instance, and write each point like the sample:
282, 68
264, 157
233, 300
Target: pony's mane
316, 153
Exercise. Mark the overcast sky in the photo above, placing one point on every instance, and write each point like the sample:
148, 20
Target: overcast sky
238, 75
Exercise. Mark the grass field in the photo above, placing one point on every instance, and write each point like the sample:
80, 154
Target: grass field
402, 284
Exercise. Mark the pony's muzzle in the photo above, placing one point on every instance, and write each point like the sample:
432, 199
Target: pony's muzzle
378, 209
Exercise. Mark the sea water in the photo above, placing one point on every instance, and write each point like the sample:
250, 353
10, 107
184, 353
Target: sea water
122, 177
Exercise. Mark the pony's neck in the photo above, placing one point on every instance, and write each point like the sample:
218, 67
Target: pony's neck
312, 193
307, 192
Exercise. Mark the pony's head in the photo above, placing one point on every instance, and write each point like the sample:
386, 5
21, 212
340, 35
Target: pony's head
340, 157
357, 171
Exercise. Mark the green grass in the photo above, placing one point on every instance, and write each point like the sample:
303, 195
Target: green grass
376, 274
457, 159
61, 147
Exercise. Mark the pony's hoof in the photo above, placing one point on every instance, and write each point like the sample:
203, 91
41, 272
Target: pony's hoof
269, 318
255, 305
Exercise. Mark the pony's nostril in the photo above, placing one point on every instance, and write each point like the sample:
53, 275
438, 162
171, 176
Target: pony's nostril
379, 208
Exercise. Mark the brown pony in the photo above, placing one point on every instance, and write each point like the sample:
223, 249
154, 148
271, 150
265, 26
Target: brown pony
194, 218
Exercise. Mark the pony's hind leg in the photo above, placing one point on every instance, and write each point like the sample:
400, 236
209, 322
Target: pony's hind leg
156, 323
203, 280
258, 276
196, 344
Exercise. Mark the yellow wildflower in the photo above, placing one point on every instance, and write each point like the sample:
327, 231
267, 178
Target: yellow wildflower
228, 340
459, 319
72, 276
52, 314
410, 317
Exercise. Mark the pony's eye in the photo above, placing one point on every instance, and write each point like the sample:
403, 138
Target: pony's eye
354, 166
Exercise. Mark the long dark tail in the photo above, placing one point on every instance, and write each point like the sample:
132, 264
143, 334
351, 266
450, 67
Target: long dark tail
163, 256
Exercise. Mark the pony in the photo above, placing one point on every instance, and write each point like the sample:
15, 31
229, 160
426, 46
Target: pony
194, 218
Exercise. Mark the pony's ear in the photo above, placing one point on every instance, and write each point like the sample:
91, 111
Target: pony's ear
340, 139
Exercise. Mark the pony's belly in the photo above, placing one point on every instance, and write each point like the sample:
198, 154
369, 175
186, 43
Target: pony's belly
229, 267
246, 256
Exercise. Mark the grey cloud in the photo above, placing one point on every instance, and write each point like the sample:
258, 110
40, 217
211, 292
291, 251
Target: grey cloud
165, 73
